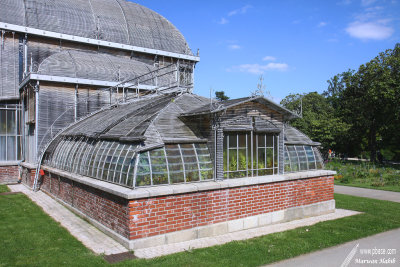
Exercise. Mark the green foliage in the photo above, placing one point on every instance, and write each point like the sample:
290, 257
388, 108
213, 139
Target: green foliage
366, 174
220, 95
368, 101
359, 113
319, 121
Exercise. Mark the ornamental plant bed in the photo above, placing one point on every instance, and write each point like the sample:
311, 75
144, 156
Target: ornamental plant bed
366, 174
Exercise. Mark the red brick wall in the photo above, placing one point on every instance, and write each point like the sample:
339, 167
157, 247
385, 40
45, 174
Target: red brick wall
109, 210
8, 174
154, 216
28, 176
159, 215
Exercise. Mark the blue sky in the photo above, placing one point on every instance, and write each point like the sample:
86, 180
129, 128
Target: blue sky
296, 45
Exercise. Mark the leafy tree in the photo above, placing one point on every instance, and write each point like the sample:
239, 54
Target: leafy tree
318, 121
220, 95
368, 100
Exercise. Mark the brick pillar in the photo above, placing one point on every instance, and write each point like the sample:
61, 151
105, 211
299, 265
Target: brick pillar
220, 154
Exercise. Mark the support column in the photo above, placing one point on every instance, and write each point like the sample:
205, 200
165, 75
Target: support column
281, 155
36, 89
219, 157
76, 103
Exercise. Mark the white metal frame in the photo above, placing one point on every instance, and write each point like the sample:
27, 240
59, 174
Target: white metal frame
90, 41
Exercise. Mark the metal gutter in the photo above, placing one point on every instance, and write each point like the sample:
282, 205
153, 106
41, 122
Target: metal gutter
49, 78
79, 39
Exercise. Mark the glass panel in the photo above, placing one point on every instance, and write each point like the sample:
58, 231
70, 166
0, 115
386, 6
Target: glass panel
19, 147
143, 170
19, 121
206, 167
3, 123
261, 140
175, 164
294, 160
233, 166
302, 158
318, 158
270, 140
261, 159
190, 161
128, 161
119, 163
98, 153
242, 140
225, 154
287, 161
310, 157
3, 144
233, 140
11, 126
92, 156
242, 159
11, 143
108, 156
159, 166
270, 157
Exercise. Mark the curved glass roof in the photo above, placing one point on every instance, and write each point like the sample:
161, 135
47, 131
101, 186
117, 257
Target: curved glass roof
116, 21
93, 66
126, 165
302, 158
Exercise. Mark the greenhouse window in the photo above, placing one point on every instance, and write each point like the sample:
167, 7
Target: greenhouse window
250, 154
302, 158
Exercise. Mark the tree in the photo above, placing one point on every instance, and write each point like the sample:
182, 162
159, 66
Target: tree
220, 95
368, 100
318, 121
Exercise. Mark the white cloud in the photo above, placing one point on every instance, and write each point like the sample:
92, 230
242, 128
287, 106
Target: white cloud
367, 2
369, 30
269, 58
241, 10
259, 69
234, 47
322, 24
344, 2
223, 21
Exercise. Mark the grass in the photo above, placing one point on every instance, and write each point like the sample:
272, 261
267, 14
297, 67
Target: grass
365, 174
30, 237
4, 188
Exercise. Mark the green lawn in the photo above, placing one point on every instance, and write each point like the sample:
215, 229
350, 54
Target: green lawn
30, 237
4, 188
366, 174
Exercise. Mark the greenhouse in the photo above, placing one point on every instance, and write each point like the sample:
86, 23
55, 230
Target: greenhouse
110, 152
98, 110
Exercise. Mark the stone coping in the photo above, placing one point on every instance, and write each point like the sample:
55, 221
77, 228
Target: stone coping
28, 165
9, 163
165, 190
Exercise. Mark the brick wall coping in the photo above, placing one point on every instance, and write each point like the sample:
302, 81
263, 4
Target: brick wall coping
28, 165
165, 190
9, 163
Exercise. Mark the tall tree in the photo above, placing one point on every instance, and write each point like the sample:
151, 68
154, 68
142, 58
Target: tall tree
318, 121
368, 100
